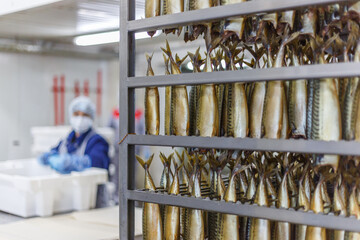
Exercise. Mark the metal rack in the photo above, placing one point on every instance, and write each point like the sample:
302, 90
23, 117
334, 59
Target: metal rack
128, 83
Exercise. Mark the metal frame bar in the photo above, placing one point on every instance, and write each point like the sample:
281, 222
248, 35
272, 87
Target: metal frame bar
340, 70
351, 148
329, 221
231, 10
128, 83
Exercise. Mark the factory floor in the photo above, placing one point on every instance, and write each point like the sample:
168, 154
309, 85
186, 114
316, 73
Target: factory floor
96, 224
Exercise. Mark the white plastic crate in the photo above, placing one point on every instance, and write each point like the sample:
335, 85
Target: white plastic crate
30, 189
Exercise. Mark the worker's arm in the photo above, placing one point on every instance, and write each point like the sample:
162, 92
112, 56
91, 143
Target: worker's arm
97, 149
44, 158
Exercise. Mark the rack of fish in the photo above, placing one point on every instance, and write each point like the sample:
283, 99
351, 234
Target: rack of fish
320, 109
267, 179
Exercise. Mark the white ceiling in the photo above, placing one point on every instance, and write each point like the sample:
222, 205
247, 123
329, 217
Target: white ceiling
61, 20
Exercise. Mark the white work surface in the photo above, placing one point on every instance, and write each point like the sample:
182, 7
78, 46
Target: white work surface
97, 224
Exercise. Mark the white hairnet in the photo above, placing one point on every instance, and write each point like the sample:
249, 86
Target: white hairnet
82, 104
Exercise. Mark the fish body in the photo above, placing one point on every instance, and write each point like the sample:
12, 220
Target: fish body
339, 208
273, 110
167, 99
283, 229
180, 112
152, 112
152, 223
208, 112
309, 22
196, 217
173, 6
260, 228
230, 223
152, 8
172, 213
237, 111
234, 25
208, 120
304, 203
354, 210
316, 205
297, 105
256, 109
326, 120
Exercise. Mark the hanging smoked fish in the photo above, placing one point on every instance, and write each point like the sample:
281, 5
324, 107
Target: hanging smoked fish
152, 112
207, 118
194, 92
172, 7
152, 224
326, 120
167, 99
179, 115
297, 104
316, 233
152, 9
172, 213
230, 223
237, 109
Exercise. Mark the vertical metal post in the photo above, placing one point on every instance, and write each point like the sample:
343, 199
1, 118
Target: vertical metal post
127, 114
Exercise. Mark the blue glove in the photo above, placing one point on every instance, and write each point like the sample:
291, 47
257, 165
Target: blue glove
44, 158
66, 163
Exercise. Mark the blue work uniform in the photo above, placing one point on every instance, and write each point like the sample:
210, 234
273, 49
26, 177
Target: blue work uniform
89, 143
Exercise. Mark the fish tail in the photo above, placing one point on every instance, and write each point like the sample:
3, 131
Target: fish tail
145, 164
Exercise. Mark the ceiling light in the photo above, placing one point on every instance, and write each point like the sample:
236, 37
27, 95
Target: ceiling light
107, 37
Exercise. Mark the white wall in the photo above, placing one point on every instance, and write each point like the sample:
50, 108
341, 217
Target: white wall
26, 98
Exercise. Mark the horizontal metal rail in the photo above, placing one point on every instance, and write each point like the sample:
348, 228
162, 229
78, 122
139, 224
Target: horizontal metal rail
351, 148
237, 9
340, 70
284, 215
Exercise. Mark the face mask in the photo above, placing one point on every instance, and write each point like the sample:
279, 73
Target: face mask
81, 123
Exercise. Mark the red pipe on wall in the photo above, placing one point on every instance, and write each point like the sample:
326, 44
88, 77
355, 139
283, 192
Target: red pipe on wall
55, 91
86, 87
62, 99
98, 92
77, 88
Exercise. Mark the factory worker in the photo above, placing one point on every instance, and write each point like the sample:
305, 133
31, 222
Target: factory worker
83, 147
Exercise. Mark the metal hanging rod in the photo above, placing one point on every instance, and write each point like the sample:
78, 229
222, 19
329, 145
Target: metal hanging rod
231, 10
276, 214
351, 148
340, 70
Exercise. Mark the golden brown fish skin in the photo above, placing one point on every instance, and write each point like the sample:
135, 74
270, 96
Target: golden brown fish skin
309, 21
285, 118
297, 104
256, 109
273, 110
167, 99
196, 217
234, 25
260, 228
357, 109
304, 203
180, 112
339, 208
152, 224
208, 122
288, 17
230, 223
172, 213
354, 210
326, 117
152, 112
174, 6
316, 233
239, 111
152, 8
283, 229
273, 106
